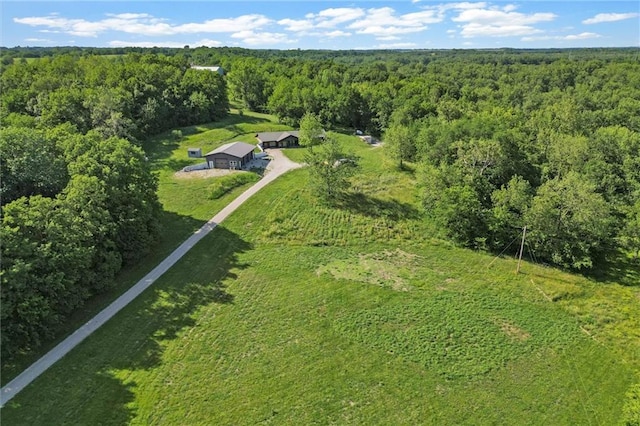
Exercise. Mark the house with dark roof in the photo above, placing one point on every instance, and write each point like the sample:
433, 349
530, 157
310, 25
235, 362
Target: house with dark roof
234, 155
285, 139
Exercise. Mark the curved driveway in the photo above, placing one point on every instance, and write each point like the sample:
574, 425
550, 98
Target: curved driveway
277, 167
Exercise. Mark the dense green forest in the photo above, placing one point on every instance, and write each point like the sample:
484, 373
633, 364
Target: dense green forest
78, 198
498, 140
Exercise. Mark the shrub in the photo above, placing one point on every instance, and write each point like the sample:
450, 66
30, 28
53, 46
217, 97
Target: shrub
226, 183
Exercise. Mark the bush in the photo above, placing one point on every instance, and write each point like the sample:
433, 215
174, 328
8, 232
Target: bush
226, 183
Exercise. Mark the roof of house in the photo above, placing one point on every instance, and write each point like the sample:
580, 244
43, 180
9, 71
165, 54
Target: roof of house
214, 69
276, 136
236, 149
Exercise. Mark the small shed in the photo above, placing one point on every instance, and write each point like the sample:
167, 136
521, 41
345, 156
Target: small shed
194, 152
234, 155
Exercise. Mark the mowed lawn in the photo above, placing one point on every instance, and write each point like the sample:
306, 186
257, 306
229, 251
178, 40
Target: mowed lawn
293, 312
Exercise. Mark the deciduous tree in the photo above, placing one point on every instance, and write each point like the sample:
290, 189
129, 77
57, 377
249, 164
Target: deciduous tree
570, 223
330, 169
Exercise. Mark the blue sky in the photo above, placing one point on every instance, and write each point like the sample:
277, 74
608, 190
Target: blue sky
355, 24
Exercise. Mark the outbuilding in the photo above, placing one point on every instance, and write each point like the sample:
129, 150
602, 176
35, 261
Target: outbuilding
278, 139
234, 155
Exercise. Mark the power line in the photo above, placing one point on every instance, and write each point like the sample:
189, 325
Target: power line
502, 252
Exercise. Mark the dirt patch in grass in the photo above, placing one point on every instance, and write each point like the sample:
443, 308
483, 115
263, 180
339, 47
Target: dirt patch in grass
514, 331
390, 269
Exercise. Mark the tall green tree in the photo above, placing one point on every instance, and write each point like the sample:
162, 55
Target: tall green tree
131, 189
630, 233
571, 224
330, 169
311, 131
399, 142
249, 84
510, 203
31, 164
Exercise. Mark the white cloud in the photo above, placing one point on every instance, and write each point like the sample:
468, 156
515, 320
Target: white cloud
458, 6
396, 45
326, 19
253, 38
38, 40
570, 37
297, 25
381, 31
499, 22
582, 36
500, 17
380, 22
384, 21
329, 18
610, 17
172, 44
52, 21
142, 24
337, 33
537, 38
388, 38
130, 15
386, 16
479, 30
226, 25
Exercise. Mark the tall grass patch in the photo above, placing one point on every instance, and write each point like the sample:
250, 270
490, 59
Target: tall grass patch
459, 335
224, 184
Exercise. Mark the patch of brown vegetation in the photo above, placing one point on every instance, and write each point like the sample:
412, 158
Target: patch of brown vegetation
389, 268
514, 332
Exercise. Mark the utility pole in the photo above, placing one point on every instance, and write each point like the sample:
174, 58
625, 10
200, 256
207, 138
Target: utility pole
524, 232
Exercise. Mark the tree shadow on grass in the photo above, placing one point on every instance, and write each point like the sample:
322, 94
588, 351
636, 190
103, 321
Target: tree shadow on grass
619, 270
375, 207
96, 382
101, 393
179, 164
168, 308
159, 148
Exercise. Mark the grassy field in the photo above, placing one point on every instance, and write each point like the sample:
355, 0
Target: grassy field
293, 312
186, 206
